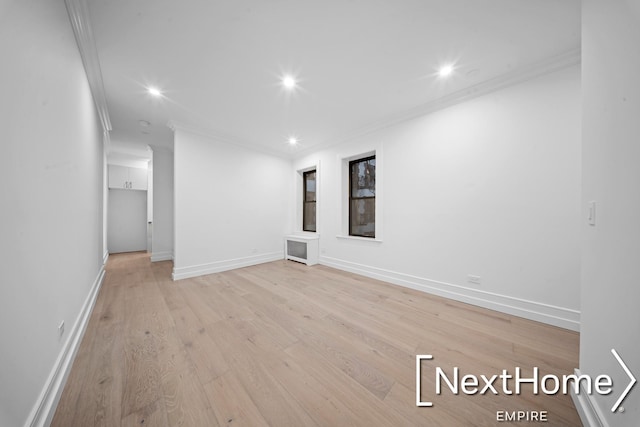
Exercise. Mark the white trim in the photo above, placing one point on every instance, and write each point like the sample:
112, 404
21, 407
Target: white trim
359, 238
356, 153
553, 315
105, 257
229, 264
520, 75
590, 414
43, 411
162, 256
298, 196
303, 236
309, 168
79, 16
220, 136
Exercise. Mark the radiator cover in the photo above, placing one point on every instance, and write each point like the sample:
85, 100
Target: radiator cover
301, 248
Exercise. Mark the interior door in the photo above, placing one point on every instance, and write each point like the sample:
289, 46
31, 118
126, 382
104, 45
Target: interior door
127, 221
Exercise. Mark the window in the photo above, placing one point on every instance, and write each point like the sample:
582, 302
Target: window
309, 201
362, 197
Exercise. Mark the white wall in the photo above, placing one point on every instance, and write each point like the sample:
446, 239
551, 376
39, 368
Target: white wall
51, 169
232, 205
611, 177
489, 187
162, 245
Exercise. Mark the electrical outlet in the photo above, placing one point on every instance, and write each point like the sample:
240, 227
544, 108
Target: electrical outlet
592, 213
473, 279
61, 329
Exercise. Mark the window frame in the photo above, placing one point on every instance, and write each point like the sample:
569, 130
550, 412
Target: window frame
305, 201
351, 198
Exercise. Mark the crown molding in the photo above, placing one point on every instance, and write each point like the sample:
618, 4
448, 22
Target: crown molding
80, 22
106, 140
520, 75
224, 137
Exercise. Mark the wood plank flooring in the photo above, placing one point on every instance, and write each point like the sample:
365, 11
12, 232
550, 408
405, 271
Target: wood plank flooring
283, 344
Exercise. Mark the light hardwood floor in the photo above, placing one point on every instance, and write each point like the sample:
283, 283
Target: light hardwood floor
283, 344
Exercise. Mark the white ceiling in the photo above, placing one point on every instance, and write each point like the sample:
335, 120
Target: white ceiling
359, 62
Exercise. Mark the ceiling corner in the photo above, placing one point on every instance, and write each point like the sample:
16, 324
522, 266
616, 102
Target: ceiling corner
81, 24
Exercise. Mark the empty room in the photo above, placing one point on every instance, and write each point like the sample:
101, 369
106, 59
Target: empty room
320, 213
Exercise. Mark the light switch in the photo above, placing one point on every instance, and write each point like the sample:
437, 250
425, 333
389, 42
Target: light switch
592, 212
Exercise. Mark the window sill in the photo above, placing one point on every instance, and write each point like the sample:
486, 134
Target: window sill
303, 235
361, 239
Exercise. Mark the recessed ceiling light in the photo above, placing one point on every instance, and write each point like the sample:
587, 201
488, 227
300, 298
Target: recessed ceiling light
144, 123
288, 82
293, 140
154, 91
445, 70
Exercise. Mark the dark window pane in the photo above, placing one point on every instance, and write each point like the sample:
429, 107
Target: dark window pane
363, 178
309, 201
362, 193
309, 216
363, 217
310, 186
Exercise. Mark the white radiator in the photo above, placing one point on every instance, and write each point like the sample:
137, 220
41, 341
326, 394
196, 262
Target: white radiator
301, 248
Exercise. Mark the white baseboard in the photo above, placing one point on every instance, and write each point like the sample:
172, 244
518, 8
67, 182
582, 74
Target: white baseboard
546, 313
218, 266
162, 256
590, 414
45, 407
105, 257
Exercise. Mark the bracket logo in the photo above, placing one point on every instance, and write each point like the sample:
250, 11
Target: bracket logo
632, 380
507, 383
